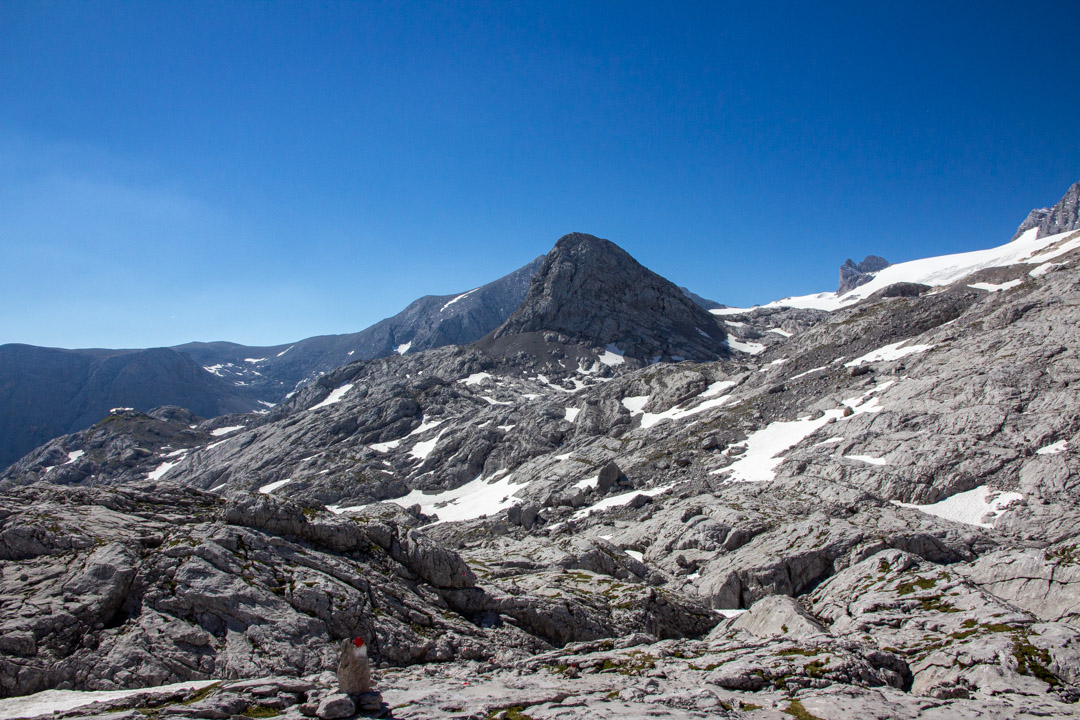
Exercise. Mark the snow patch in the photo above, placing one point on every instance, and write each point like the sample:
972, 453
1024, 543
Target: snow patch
391, 444
675, 413
869, 460
422, 449
476, 378
717, 387
589, 482
971, 507
475, 499
254, 360
161, 469
571, 414
889, 352
764, 447
639, 556
50, 701
635, 403
334, 396
612, 356
459, 297
811, 370
74, 455
621, 499
403, 348
1059, 447
271, 487
990, 287
1043, 269
745, 347
285, 350
780, 331
226, 430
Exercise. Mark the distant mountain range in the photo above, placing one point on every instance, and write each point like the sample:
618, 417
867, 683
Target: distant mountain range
48, 392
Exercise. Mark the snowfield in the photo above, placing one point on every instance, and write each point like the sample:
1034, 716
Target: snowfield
971, 507
935, 271
50, 701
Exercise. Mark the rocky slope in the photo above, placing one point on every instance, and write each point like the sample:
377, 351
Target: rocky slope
590, 290
868, 512
1063, 217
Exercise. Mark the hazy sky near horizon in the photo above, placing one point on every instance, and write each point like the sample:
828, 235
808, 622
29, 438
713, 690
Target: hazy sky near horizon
262, 172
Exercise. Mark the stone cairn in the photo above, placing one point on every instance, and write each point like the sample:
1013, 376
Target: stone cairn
355, 695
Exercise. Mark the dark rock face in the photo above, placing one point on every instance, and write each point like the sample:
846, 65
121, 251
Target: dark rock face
593, 292
853, 274
46, 392
1063, 217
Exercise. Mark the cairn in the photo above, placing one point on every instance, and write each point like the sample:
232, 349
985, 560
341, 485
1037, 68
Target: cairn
354, 695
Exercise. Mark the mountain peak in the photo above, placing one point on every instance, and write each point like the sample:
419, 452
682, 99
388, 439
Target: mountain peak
1063, 217
594, 292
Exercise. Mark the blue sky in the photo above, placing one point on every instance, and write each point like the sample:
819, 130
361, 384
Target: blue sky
263, 172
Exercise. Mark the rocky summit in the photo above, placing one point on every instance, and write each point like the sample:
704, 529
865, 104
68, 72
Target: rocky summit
866, 511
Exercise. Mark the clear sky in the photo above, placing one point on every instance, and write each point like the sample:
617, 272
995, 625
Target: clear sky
263, 172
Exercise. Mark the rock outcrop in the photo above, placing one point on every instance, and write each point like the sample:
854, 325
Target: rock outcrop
1063, 217
593, 292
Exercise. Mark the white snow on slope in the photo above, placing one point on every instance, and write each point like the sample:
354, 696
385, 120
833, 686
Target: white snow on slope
571, 414
934, 271
969, 507
869, 460
391, 444
889, 352
161, 469
622, 499
403, 348
639, 556
214, 369
474, 499
74, 455
764, 447
636, 403
271, 487
475, 378
423, 448
612, 355
589, 482
1059, 447
254, 360
459, 297
991, 287
675, 413
717, 387
781, 332
747, 347
334, 396
811, 370
285, 350
49, 701
1043, 269
226, 430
